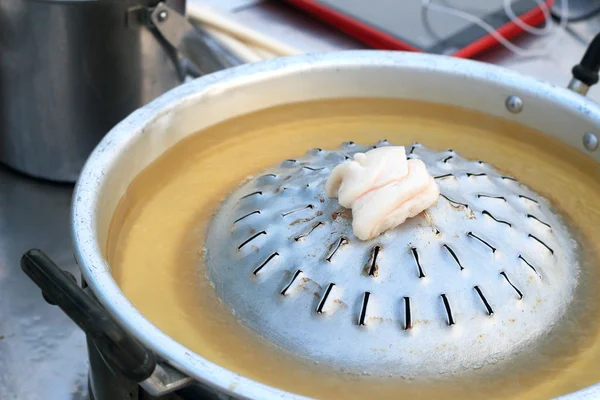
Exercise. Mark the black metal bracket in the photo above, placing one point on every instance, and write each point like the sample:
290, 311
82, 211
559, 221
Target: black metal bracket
123, 353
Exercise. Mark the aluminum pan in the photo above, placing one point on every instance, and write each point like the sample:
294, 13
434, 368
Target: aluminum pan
151, 130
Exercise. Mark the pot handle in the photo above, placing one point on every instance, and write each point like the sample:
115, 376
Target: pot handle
203, 53
123, 352
585, 74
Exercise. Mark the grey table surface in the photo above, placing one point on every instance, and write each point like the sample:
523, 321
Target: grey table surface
42, 353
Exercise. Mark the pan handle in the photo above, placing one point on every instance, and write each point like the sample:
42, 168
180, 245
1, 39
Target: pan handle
585, 74
122, 352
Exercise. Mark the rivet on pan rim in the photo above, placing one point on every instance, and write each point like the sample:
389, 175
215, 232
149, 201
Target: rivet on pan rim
514, 104
590, 141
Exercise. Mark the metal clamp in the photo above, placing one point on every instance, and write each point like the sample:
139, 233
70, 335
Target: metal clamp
165, 379
205, 54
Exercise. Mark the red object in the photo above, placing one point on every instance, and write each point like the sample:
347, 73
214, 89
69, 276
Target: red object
381, 40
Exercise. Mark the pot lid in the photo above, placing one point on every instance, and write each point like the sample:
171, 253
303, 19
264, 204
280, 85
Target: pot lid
471, 281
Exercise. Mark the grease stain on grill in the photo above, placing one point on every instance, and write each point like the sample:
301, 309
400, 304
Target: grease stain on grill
454, 203
415, 254
321, 304
363, 309
303, 235
343, 213
290, 283
261, 266
334, 247
302, 220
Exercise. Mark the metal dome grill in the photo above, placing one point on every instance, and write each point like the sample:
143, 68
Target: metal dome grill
471, 281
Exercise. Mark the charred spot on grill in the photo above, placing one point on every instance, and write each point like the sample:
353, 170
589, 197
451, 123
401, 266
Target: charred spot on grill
454, 203
445, 160
485, 212
267, 175
454, 256
415, 254
261, 266
519, 293
488, 308
257, 193
542, 243
407, 314
324, 298
449, 315
303, 235
482, 241
510, 178
334, 247
363, 309
343, 213
246, 216
302, 220
372, 268
251, 238
539, 220
290, 283
530, 265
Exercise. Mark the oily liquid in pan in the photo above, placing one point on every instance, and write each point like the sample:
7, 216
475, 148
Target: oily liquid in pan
156, 240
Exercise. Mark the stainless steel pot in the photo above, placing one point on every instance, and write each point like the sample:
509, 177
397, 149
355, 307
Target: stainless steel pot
150, 131
70, 70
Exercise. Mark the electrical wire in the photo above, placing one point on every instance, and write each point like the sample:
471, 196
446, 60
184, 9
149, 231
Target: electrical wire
251, 46
546, 30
